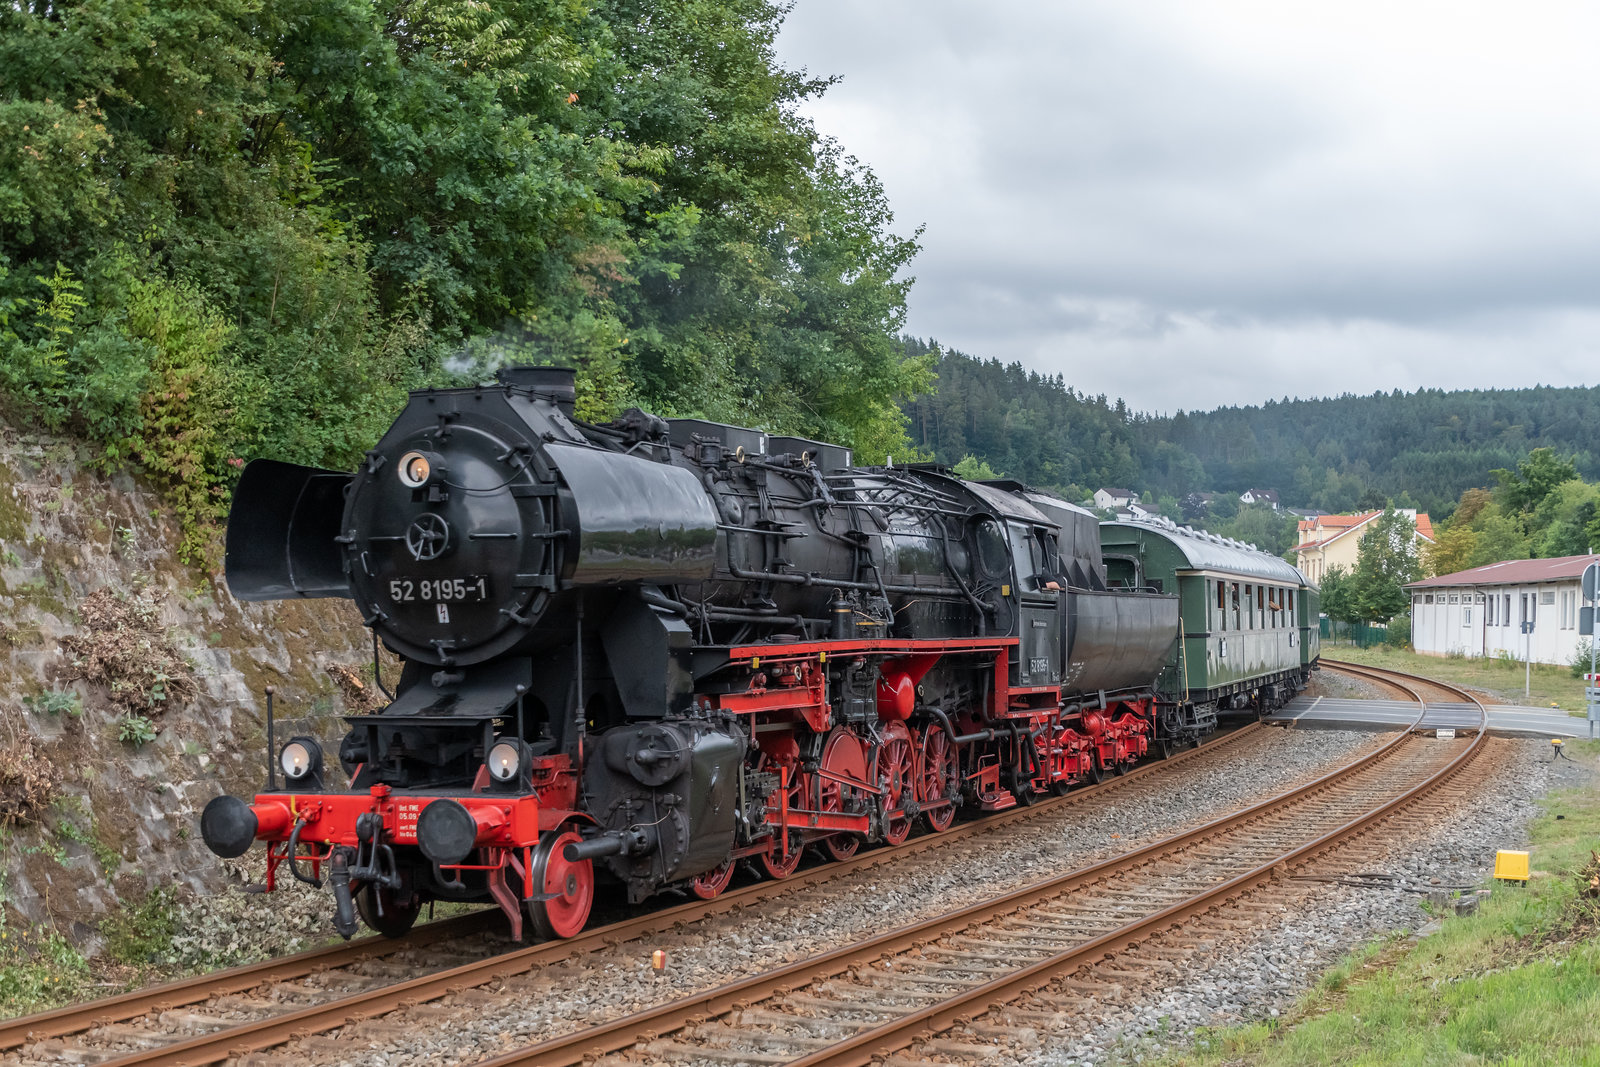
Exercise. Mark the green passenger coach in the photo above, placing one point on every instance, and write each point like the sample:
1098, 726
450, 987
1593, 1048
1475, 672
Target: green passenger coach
1249, 619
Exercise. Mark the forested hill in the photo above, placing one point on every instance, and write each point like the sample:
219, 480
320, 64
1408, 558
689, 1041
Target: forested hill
1422, 448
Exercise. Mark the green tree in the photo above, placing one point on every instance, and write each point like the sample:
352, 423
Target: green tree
268, 219
1522, 490
1269, 530
1560, 521
1500, 537
1387, 562
1338, 596
975, 470
1452, 549
1372, 500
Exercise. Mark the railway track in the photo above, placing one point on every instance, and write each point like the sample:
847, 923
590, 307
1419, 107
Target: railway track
211, 1018
947, 988
1449, 713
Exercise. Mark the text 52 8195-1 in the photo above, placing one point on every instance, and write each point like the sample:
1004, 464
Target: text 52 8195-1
439, 590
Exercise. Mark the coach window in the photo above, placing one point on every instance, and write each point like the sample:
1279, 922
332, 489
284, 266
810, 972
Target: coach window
1291, 602
1221, 603
1238, 609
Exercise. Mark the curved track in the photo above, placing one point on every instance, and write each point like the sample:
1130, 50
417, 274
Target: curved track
890, 998
101, 1031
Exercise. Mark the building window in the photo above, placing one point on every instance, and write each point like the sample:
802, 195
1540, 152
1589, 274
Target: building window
1505, 616
1488, 612
1547, 597
1466, 616
1428, 599
1455, 598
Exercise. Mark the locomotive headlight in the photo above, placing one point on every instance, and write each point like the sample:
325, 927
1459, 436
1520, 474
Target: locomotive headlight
504, 760
300, 759
415, 469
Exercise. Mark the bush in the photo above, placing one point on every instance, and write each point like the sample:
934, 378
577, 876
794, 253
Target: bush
1580, 659
1398, 634
136, 729
143, 934
56, 701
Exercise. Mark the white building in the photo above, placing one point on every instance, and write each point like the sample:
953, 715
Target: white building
1135, 511
1268, 497
1480, 612
1112, 499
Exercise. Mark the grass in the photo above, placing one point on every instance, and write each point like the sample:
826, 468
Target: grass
1518, 983
1551, 685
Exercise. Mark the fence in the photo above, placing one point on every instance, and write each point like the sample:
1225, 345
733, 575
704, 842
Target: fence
1360, 634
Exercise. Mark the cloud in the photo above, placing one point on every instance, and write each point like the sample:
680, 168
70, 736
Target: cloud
1242, 200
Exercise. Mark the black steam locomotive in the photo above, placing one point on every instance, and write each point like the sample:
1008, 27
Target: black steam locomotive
651, 650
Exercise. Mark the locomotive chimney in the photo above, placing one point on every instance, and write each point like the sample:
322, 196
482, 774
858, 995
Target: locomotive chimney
558, 383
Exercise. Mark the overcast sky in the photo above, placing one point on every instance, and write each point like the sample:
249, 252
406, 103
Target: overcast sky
1190, 204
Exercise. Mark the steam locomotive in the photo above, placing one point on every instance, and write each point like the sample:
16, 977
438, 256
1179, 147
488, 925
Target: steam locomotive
649, 651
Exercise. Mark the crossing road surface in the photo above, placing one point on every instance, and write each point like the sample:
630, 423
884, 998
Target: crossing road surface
1503, 718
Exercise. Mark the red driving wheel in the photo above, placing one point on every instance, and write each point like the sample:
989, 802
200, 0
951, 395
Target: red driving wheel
839, 846
709, 884
897, 775
842, 758
568, 886
776, 865
936, 776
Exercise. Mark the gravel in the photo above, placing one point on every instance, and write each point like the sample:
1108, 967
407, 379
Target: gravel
618, 980
1260, 975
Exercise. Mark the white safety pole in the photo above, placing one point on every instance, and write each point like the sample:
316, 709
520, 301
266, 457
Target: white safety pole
1527, 668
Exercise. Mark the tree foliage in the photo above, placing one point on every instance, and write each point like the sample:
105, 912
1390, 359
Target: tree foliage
247, 227
1387, 561
1338, 596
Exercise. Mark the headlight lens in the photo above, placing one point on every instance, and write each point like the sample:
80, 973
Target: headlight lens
504, 759
300, 757
415, 469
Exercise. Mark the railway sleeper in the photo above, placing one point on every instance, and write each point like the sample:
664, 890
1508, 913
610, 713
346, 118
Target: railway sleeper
1016, 956
723, 1035
879, 992
57, 1050
1021, 1035
759, 1017
810, 1000
956, 967
680, 1051
192, 1022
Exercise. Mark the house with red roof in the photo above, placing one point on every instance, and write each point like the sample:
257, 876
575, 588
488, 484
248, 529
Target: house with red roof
1329, 541
1520, 607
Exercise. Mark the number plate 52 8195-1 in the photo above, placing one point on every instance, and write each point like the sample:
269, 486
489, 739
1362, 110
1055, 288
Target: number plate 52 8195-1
466, 590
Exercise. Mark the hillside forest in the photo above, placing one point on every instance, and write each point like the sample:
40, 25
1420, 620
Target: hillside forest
246, 227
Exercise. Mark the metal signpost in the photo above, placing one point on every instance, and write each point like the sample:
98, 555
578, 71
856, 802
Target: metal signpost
1591, 594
